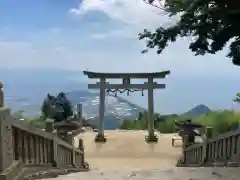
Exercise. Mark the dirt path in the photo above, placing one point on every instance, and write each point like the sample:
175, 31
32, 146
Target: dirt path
128, 149
126, 156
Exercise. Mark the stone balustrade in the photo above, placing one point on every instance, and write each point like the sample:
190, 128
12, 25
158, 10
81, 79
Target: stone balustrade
223, 148
22, 145
34, 146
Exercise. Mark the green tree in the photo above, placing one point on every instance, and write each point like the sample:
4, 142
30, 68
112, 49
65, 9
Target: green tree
140, 115
213, 23
237, 98
57, 107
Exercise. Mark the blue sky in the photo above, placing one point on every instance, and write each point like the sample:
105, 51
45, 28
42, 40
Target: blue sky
91, 34
100, 35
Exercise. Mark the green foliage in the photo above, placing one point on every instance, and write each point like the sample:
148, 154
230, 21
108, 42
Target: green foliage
139, 124
37, 121
220, 121
237, 98
57, 107
212, 23
168, 125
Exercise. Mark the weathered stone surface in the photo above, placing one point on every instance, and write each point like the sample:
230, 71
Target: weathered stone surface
156, 174
118, 158
54, 173
6, 140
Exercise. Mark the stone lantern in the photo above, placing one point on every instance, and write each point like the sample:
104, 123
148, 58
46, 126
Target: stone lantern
188, 131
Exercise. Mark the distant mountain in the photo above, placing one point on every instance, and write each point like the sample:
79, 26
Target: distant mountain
116, 108
197, 111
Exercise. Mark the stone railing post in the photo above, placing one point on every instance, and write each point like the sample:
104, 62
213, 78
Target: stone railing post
6, 139
49, 125
209, 132
1, 95
184, 145
70, 138
56, 158
206, 133
74, 157
81, 147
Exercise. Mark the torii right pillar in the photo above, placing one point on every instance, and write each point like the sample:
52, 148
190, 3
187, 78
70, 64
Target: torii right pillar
151, 135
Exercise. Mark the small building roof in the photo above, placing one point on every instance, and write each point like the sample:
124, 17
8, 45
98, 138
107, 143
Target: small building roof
96, 75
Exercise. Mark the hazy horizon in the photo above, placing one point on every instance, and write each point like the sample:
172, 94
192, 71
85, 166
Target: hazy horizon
180, 95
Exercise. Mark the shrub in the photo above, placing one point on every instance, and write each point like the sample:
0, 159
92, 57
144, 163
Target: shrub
38, 121
220, 121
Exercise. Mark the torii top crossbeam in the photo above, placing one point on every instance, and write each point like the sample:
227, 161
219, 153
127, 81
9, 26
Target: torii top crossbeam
126, 84
97, 75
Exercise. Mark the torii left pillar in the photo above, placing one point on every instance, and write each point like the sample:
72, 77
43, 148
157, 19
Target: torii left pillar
100, 136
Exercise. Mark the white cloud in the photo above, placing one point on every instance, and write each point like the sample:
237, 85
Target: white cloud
176, 58
15, 54
136, 14
30, 55
133, 12
55, 53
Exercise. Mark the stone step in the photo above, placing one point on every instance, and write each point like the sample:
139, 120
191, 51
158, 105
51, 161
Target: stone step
212, 164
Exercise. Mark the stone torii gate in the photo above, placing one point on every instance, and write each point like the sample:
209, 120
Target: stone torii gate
126, 85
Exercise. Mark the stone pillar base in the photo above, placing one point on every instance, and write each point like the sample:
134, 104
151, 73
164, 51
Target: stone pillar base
151, 139
100, 138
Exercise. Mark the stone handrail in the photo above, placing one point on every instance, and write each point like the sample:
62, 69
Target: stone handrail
225, 147
193, 154
29, 146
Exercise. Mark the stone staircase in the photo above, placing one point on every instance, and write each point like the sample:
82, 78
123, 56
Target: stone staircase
25, 149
